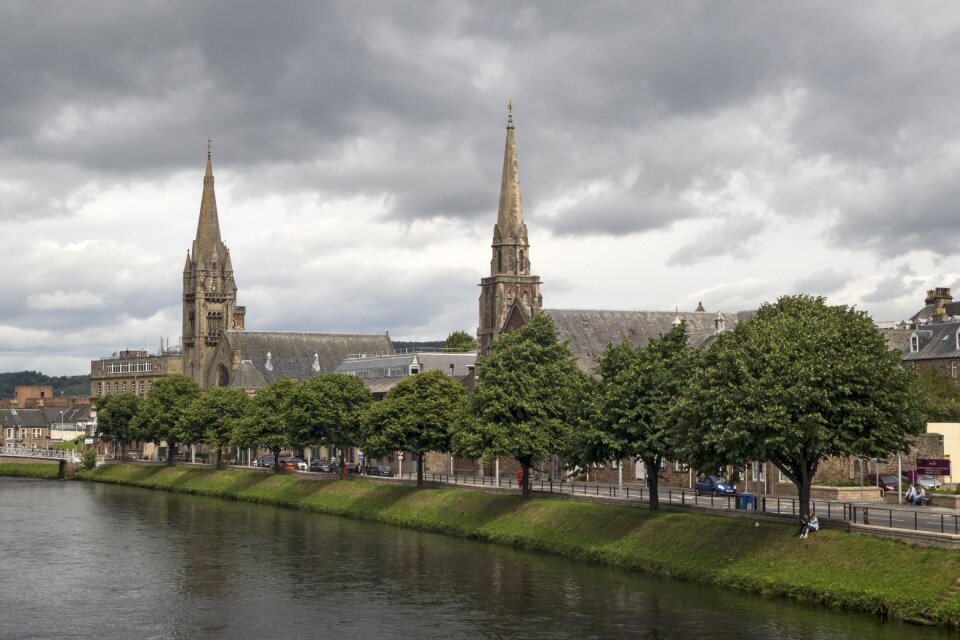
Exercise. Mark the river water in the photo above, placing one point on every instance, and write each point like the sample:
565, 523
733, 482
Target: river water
82, 560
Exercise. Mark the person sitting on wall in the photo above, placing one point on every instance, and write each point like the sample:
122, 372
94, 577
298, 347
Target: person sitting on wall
921, 496
911, 495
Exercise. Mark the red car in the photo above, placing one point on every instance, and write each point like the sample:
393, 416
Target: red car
887, 482
289, 463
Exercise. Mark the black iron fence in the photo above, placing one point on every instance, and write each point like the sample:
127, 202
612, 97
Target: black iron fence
894, 517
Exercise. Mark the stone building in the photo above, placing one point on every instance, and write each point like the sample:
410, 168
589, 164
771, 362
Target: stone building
25, 428
381, 373
209, 294
133, 371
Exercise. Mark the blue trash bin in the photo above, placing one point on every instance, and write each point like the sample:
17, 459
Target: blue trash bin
745, 501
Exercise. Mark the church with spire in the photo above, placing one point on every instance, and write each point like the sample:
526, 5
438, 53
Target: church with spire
209, 293
510, 296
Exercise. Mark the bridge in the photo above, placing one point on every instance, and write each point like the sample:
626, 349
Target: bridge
63, 457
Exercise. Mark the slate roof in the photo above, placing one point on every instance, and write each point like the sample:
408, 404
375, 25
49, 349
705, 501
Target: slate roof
300, 355
247, 377
71, 415
589, 331
936, 341
23, 418
926, 313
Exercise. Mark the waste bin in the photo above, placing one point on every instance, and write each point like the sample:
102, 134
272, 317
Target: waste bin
745, 501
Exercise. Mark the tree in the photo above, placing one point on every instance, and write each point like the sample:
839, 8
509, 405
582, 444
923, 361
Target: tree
159, 416
526, 399
798, 382
460, 341
115, 414
328, 408
268, 420
215, 415
939, 396
418, 415
636, 390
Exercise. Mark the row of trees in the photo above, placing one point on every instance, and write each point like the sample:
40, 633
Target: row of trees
795, 384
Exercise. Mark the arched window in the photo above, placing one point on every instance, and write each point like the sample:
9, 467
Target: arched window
223, 376
499, 261
522, 263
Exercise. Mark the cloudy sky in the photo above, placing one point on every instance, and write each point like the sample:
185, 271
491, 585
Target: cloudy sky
669, 153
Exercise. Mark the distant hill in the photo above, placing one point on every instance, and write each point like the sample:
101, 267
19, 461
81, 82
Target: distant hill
412, 345
62, 385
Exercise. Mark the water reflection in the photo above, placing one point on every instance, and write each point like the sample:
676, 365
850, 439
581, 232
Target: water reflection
115, 562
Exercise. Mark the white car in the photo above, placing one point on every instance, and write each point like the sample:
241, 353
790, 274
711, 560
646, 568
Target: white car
302, 466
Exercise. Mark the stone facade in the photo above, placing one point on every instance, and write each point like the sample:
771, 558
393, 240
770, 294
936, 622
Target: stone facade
511, 294
132, 371
209, 294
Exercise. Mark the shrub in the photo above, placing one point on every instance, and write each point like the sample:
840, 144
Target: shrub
89, 458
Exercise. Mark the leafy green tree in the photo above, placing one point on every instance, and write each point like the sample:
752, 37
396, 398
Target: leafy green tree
526, 402
798, 382
268, 421
418, 415
115, 414
939, 396
215, 415
328, 408
637, 387
159, 416
460, 341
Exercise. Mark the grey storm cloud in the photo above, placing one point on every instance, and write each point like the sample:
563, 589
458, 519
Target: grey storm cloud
631, 117
823, 282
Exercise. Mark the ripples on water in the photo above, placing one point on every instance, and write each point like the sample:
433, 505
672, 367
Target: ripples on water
103, 562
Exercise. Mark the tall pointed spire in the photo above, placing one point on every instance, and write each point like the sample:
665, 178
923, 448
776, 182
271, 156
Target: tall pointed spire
510, 214
208, 226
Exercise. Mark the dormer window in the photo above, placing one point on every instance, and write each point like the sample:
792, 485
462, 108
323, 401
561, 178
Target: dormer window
957, 339
914, 343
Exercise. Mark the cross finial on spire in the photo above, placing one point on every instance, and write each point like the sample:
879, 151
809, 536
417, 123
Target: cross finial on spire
209, 142
510, 114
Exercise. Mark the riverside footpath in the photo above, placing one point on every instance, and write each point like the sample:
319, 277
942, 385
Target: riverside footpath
926, 525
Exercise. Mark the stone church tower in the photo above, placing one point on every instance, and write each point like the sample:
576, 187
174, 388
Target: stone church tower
209, 293
510, 296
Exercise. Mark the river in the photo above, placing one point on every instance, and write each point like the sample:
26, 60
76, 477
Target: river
83, 560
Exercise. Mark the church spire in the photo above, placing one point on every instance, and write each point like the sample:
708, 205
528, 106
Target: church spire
208, 226
510, 214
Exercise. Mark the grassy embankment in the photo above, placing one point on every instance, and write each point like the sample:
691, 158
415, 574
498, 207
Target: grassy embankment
43, 470
834, 568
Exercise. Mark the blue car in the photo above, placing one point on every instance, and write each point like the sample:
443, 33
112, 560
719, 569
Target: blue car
715, 486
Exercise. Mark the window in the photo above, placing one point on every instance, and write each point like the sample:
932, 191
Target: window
914, 343
759, 472
141, 387
681, 466
99, 388
782, 478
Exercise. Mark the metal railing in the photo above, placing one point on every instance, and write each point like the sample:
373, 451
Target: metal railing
905, 518
39, 454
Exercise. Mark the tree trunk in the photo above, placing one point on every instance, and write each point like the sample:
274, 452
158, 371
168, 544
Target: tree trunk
169, 455
525, 478
653, 482
420, 469
804, 481
276, 459
219, 457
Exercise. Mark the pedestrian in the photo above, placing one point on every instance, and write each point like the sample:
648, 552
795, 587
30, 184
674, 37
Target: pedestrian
921, 496
911, 495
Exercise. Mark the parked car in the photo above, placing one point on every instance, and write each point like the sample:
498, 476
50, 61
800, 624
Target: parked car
925, 481
290, 462
715, 485
372, 471
385, 470
887, 482
265, 461
321, 465
351, 467
302, 465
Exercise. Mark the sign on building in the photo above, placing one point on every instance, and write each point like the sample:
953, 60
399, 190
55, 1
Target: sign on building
933, 466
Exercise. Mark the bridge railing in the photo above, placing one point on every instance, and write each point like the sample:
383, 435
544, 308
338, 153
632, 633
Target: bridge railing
38, 454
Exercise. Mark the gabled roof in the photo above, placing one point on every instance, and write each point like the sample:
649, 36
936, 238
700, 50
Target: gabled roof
71, 415
23, 418
300, 355
589, 331
247, 377
936, 341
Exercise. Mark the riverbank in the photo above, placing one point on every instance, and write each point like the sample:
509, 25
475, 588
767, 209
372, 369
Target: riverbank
42, 470
834, 568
